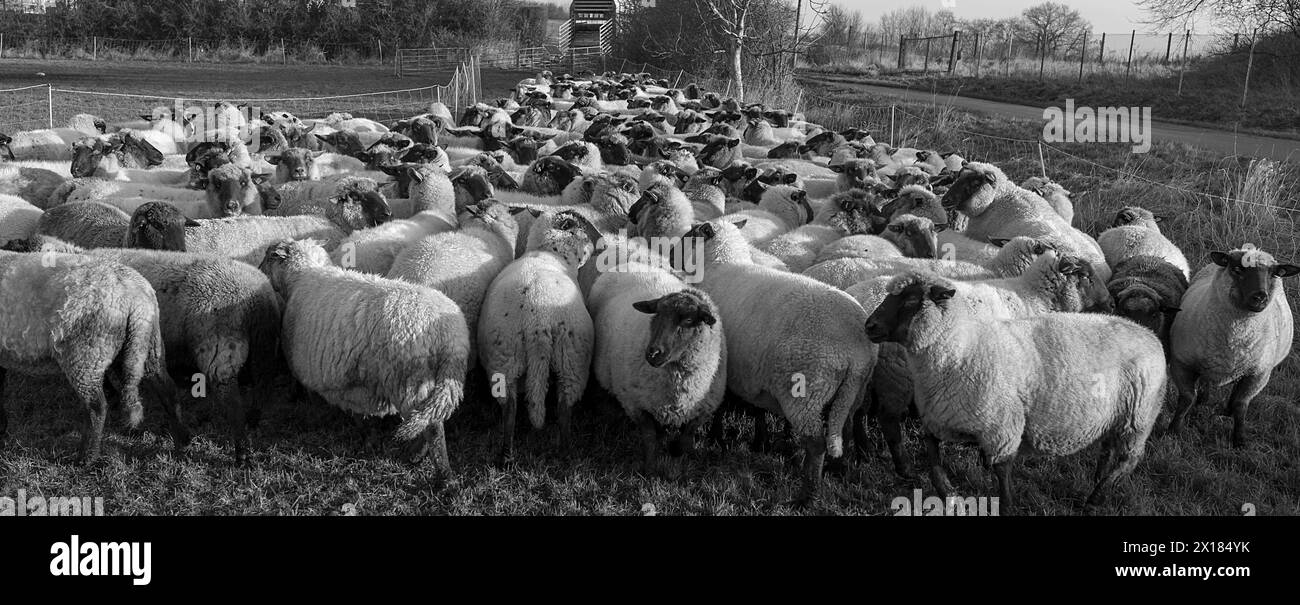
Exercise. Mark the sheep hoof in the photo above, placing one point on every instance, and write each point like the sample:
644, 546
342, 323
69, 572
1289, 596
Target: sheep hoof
416, 451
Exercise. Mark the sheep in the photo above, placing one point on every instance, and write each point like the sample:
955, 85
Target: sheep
1057, 197
855, 173
372, 345
1235, 326
1137, 239
1137, 215
857, 246
996, 207
534, 327
107, 154
915, 236
78, 316
463, 263
660, 350
230, 191
32, 184
805, 358
354, 202
299, 164
373, 250
549, 176
845, 214
662, 212
781, 209
87, 225
218, 316
1148, 290
243, 238
704, 190
917, 201
844, 272
53, 144
1076, 379
18, 219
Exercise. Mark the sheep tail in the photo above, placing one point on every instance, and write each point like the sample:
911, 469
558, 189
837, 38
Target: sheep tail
449, 369
847, 397
537, 377
142, 358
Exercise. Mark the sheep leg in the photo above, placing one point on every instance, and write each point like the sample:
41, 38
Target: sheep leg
1003, 471
892, 428
228, 395
565, 419
684, 444
937, 475
1124, 462
1185, 379
1243, 393
814, 448
1103, 462
435, 441
649, 443
860, 439
508, 409
92, 437
717, 428
163, 390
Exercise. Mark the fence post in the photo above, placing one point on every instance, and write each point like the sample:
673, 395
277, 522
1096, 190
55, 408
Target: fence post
900, 51
2, 45
1129, 67
1234, 42
926, 66
1183, 65
49, 100
284, 52
1250, 62
191, 39
1041, 164
952, 54
1101, 52
94, 48
891, 124
1169, 44
680, 75
380, 43
1083, 55
979, 55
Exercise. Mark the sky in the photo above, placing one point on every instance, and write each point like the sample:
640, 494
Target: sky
1112, 16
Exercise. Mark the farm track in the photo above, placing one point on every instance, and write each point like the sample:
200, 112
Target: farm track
1219, 141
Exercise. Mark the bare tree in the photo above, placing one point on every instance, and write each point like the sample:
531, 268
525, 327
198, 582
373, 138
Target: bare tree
1258, 15
731, 19
1049, 23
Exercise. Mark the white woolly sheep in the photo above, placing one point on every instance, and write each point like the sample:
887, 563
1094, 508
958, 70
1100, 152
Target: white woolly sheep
806, 358
1057, 197
18, 219
534, 327
463, 263
1235, 326
1137, 239
87, 225
372, 345
230, 191
78, 317
662, 212
846, 214
1077, 379
32, 184
660, 350
353, 202
782, 208
373, 250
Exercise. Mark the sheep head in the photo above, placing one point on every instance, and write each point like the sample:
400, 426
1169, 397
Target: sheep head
158, 226
911, 295
1137, 216
472, 185
679, 320
5, 142
232, 189
285, 258
296, 164
915, 236
974, 189
1253, 276
788, 202
856, 173
564, 234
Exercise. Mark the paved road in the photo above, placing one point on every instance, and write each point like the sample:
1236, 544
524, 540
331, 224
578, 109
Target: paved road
1225, 142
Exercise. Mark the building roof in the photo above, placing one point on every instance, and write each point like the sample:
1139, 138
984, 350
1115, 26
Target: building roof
592, 5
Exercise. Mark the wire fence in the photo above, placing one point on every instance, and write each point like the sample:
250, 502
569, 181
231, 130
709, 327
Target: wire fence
46, 106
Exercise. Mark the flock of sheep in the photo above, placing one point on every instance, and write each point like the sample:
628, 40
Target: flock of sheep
693, 255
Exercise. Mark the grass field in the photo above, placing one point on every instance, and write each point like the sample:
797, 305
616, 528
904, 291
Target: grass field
312, 459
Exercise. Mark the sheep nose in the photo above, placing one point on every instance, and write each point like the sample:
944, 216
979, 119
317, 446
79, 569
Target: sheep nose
1258, 300
875, 331
654, 356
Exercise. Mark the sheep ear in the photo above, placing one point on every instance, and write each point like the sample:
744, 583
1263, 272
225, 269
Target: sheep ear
646, 306
940, 293
789, 179
940, 227
733, 142
323, 138
1158, 218
1285, 270
1167, 309
1221, 259
274, 159
708, 318
740, 224
516, 210
315, 154
189, 222
837, 168
535, 212
999, 241
415, 174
